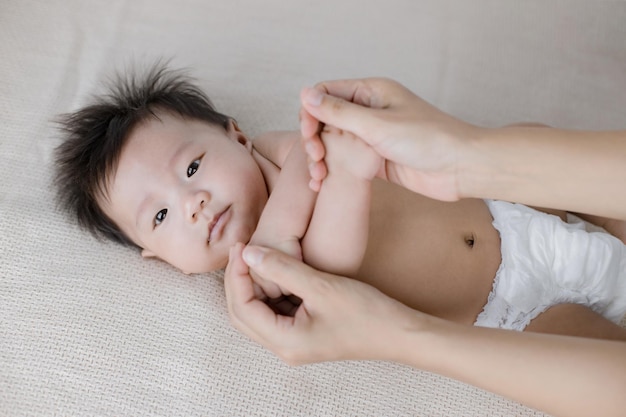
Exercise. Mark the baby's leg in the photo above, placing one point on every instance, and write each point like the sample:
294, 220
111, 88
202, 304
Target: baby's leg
557, 269
337, 235
576, 320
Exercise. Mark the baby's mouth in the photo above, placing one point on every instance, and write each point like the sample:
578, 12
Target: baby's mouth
216, 227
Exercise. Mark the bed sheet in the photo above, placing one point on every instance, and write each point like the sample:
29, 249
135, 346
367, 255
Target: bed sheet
88, 328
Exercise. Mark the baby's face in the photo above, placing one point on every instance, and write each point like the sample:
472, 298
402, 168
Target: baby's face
186, 191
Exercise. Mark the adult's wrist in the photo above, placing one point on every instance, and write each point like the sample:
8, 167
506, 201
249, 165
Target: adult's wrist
415, 335
474, 168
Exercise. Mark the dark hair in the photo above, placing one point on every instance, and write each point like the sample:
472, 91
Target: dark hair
96, 134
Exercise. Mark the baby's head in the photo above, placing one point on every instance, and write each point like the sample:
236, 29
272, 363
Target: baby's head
152, 164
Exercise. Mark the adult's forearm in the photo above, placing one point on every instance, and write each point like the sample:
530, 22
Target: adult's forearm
564, 376
572, 170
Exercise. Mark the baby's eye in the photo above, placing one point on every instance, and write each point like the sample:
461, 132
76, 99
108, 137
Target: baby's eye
193, 167
160, 216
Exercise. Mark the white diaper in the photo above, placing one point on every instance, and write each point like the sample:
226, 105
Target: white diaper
546, 262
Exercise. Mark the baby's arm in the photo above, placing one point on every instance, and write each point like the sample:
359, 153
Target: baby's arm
338, 232
287, 213
333, 228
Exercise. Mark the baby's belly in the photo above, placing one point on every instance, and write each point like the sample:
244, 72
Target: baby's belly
440, 258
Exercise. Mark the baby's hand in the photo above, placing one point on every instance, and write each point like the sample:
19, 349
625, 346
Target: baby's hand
270, 289
315, 151
343, 152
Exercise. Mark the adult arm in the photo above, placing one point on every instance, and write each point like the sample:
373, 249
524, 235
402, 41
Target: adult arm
564, 376
435, 154
579, 171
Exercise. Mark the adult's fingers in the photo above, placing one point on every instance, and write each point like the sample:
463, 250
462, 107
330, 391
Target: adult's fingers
248, 313
340, 102
367, 92
285, 305
284, 270
336, 112
309, 125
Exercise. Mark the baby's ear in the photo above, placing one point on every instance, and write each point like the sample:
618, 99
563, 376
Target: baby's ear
236, 134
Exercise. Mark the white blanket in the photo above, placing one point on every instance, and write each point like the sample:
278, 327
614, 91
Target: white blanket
88, 328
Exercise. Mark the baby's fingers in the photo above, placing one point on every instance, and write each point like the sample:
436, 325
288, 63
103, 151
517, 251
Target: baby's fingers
318, 171
314, 147
315, 185
316, 152
309, 125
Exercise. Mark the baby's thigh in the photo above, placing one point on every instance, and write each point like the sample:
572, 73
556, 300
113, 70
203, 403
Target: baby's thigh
576, 320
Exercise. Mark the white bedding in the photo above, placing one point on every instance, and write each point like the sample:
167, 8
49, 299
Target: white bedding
88, 328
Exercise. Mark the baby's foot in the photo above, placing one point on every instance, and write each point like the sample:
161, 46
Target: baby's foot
347, 152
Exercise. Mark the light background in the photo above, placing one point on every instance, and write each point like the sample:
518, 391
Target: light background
88, 328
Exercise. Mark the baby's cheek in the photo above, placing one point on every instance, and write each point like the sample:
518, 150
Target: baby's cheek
215, 259
196, 261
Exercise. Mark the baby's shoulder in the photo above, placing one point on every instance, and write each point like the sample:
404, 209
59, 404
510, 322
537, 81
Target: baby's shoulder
275, 145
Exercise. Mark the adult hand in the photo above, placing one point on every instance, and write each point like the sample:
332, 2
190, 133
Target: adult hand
420, 142
338, 319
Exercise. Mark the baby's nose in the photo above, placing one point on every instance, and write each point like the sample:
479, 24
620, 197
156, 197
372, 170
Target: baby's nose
195, 204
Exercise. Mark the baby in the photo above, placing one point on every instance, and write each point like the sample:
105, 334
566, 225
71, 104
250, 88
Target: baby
153, 165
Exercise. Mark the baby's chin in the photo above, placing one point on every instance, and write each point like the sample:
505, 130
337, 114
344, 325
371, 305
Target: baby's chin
203, 269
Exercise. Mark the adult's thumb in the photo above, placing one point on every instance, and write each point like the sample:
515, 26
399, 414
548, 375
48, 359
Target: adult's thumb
336, 111
275, 266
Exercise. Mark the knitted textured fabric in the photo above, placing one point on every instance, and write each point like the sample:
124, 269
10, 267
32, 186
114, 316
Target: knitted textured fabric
88, 328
